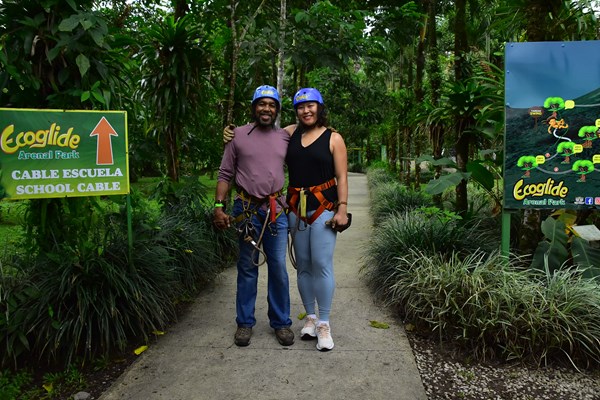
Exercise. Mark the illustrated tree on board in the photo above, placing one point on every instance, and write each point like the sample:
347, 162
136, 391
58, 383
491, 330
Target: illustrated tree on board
527, 163
583, 167
588, 133
566, 149
554, 104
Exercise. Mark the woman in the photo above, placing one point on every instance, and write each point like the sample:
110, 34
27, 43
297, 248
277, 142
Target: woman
317, 196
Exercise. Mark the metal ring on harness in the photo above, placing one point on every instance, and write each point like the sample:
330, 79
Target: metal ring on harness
247, 229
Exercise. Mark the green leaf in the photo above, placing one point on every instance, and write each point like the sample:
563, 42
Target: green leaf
98, 37
85, 96
72, 4
87, 24
63, 75
68, 24
379, 325
98, 96
583, 254
83, 63
444, 182
552, 252
554, 230
301, 16
481, 175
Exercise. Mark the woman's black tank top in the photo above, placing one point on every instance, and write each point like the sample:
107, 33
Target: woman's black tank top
311, 166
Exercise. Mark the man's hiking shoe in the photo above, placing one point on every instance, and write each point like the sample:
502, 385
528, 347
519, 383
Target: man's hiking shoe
242, 336
308, 332
285, 336
324, 340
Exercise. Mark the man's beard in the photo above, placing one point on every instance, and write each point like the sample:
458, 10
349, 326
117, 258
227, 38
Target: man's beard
259, 120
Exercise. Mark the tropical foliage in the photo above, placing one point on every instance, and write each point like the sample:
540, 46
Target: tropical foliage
448, 280
413, 86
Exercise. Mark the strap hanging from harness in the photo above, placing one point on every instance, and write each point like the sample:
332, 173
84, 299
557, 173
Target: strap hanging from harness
297, 200
247, 230
257, 202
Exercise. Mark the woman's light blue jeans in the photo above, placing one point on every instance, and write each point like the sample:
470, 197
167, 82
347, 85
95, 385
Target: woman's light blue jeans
278, 288
313, 248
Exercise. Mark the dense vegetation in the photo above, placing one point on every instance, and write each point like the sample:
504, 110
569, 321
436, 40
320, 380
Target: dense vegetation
414, 80
446, 277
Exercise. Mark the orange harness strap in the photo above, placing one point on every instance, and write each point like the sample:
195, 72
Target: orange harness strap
324, 204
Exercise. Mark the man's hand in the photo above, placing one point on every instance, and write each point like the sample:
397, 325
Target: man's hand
220, 219
228, 134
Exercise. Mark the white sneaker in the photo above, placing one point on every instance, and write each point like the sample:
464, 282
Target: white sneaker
324, 340
308, 331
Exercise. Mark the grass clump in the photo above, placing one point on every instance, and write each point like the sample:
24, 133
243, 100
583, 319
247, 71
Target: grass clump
393, 197
496, 311
445, 275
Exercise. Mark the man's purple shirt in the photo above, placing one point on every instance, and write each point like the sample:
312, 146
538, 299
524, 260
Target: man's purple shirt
255, 157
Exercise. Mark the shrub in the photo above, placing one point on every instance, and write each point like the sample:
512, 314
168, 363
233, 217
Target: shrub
377, 176
94, 294
393, 197
404, 234
496, 311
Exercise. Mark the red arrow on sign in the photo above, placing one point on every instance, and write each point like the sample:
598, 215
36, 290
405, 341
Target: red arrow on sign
104, 154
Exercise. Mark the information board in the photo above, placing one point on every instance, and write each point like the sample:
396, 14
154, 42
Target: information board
552, 130
56, 153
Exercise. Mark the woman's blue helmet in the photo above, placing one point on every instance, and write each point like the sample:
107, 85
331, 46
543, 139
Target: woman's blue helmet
307, 94
266, 91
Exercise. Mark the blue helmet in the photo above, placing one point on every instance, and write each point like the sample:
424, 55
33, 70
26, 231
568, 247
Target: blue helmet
266, 91
307, 94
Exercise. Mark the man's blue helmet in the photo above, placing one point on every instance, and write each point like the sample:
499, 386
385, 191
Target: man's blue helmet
266, 91
307, 94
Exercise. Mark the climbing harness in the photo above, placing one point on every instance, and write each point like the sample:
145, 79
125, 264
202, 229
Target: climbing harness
298, 196
297, 204
248, 231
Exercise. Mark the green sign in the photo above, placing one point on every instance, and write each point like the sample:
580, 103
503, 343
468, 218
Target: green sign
55, 153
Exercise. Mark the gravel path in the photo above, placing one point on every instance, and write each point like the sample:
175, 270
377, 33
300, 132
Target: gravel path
446, 377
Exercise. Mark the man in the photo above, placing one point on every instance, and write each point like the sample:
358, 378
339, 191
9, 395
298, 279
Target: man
255, 158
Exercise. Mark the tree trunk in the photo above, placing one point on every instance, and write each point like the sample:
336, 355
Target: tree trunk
460, 64
181, 8
540, 16
391, 151
236, 40
408, 156
172, 154
436, 131
235, 51
419, 96
281, 55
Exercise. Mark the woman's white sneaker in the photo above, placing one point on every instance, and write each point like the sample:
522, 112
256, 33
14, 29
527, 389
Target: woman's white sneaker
324, 340
308, 332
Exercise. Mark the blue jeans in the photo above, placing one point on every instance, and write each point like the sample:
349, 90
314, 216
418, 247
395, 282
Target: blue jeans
274, 244
313, 248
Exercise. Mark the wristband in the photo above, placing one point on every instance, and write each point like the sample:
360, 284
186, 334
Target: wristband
220, 204
342, 202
